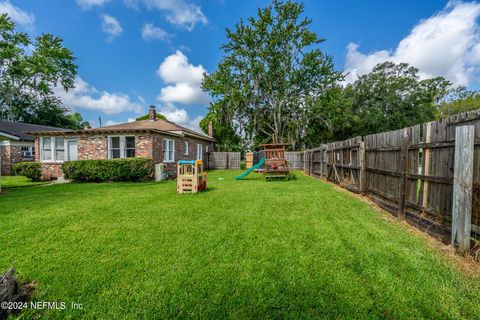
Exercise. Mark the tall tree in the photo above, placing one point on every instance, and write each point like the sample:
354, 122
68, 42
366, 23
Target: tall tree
29, 72
459, 100
272, 65
393, 96
225, 135
331, 118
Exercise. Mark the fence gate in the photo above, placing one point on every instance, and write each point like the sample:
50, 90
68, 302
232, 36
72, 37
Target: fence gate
224, 160
233, 160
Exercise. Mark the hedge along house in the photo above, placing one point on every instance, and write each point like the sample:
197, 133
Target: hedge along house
17, 143
163, 141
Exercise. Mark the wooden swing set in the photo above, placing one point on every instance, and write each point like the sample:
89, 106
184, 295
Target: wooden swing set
276, 166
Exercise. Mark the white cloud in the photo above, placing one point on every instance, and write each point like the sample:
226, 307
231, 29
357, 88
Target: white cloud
446, 44
178, 12
151, 32
111, 27
110, 123
184, 86
87, 4
85, 96
132, 4
185, 93
141, 99
180, 116
185, 80
175, 68
19, 16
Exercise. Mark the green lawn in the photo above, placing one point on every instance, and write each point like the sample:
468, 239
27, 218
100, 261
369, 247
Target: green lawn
243, 249
17, 181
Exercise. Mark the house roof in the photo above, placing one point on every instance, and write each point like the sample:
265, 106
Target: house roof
159, 126
22, 131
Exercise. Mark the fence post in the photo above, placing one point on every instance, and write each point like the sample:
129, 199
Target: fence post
462, 187
403, 175
305, 161
361, 155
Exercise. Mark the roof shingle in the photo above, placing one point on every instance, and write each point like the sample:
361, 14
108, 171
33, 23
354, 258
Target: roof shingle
20, 129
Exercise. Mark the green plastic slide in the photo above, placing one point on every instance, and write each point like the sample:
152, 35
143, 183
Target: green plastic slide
252, 168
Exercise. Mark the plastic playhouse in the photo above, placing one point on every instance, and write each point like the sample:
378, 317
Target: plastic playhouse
190, 176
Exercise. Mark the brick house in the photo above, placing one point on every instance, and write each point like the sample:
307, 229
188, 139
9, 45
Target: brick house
16, 145
163, 141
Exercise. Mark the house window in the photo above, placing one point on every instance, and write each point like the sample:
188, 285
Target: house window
168, 150
46, 151
121, 147
28, 152
185, 144
59, 149
129, 147
52, 149
199, 152
114, 148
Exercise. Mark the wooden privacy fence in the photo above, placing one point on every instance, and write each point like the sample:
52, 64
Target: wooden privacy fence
224, 160
294, 159
427, 174
341, 162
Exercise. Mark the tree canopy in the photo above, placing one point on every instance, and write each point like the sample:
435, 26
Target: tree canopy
272, 66
274, 79
393, 96
460, 100
147, 116
30, 70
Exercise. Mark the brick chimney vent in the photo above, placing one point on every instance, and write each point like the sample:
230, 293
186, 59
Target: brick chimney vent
152, 113
210, 129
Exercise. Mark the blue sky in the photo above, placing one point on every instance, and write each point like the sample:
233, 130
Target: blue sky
135, 53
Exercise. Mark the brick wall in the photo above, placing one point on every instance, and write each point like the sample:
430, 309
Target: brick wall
95, 147
16, 154
180, 149
12, 154
51, 171
157, 148
37, 149
144, 146
92, 147
6, 162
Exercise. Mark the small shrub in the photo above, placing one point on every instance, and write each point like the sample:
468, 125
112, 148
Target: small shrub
291, 176
130, 169
31, 170
243, 165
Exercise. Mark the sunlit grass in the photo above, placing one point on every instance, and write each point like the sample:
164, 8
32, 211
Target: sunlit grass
17, 181
242, 249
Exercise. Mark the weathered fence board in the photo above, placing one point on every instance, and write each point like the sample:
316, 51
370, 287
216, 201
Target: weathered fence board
294, 159
408, 172
224, 160
233, 160
462, 188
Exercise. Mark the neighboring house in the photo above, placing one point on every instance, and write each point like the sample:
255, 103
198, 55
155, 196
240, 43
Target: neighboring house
16, 145
163, 141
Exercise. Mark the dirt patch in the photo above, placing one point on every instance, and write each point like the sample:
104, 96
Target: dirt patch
13, 293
